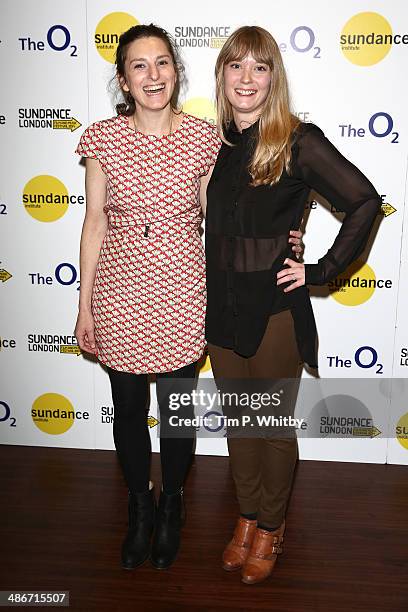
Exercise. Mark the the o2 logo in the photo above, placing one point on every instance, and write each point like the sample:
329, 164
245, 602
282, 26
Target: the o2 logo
380, 125
5, 415
365, 357
302, 40
218, 423
58, 38
65, 274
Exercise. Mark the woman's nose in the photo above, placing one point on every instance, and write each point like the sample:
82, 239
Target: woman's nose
153, 72
246, 75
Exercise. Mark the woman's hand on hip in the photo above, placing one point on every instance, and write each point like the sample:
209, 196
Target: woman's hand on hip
85, 332
293, 274
295, 238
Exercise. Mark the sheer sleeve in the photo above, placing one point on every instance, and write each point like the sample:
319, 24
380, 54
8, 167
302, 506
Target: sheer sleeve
325, 170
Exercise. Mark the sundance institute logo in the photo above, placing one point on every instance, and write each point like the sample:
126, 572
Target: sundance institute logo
356, 285
108, 31
367, 38
54, 414
46, 198
401, 431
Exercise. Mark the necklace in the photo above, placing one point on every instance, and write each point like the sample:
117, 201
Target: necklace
147, 225
170, 124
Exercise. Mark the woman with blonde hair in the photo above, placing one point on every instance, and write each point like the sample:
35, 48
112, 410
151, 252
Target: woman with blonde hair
259, 321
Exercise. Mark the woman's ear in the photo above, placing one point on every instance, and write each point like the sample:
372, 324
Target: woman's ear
122, 83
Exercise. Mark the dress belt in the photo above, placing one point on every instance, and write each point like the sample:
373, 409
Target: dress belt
118, 222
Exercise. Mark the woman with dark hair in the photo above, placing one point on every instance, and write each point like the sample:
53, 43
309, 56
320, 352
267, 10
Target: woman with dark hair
142, 297
260, 323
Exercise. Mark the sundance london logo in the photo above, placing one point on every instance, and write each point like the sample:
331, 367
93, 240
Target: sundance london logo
53, 343
201, 36
5, 275
48, 118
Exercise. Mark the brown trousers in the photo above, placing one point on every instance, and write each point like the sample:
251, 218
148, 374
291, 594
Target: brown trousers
263, 468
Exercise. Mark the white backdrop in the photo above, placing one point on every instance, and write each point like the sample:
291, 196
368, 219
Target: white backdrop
55, 84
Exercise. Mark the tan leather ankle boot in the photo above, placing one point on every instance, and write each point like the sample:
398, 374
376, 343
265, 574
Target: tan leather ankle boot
237, 550
266, 546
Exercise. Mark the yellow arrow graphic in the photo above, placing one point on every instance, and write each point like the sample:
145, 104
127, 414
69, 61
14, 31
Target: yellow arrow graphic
152, 421
4, 275
66, 124
70, 349
217, 43
366, 432
388, 209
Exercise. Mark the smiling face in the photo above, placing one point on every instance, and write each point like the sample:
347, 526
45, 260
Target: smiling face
150, 74
247, 84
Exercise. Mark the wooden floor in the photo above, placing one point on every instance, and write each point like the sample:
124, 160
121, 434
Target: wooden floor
64, 516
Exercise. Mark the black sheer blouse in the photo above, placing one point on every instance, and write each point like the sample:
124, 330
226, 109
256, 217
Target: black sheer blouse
247, 236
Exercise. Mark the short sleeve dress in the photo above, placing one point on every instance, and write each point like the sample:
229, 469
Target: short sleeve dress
149, 294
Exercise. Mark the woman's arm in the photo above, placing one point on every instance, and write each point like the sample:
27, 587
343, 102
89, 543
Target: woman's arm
204, 180
325, 169
93, 232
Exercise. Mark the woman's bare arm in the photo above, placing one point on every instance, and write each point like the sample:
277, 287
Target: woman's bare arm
93, 233
204, 180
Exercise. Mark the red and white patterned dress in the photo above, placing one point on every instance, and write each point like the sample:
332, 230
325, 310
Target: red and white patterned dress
149, 295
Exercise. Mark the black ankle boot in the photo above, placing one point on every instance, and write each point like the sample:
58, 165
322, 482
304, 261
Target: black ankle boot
170, 518
136, 545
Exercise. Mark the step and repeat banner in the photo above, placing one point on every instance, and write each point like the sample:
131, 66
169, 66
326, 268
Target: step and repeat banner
347, 74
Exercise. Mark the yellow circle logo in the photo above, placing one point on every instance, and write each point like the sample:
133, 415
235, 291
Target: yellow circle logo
45, 198
202, 108
354, 286
108, 31
366, 39
206, 365
402, 431
53, 413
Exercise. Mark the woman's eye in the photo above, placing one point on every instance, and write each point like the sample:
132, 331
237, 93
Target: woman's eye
163, 62
234, 65
139, 66
261, 68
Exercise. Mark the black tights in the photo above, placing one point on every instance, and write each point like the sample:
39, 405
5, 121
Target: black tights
130, 394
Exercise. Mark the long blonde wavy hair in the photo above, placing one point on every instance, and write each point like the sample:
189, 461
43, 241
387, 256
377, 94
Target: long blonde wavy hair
276, 122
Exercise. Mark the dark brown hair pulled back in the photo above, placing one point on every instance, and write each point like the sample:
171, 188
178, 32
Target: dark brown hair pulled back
135, 33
